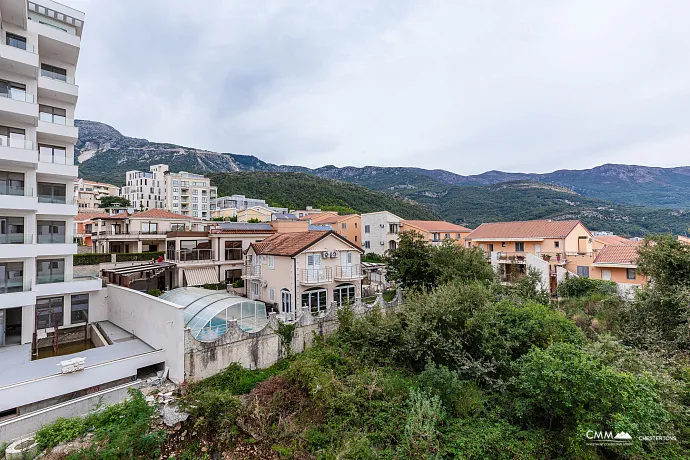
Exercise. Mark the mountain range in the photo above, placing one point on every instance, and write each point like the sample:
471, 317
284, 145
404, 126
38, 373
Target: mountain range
626, 199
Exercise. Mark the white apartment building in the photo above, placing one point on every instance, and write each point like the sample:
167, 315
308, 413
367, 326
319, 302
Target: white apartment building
238, 202
189, 194
183, 192
87, 194
380, 231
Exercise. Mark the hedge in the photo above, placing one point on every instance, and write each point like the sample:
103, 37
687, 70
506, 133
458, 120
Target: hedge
93, 259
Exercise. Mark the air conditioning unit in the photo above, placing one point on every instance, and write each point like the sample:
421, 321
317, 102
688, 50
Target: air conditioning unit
382, 243
324, 254
334, 255
382, 225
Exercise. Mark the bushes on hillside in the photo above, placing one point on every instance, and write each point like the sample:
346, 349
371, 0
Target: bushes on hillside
580, 286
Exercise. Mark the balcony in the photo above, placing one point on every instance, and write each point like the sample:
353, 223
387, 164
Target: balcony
18, 106
61, 42
19, 152
348, 272
315, 276
20, 199
511, 257
21, 59
16, 293
55, 248
56, 128
251, 271
60, 284
117, 234
57, 165
56, 205
56, 86
190, 256
14, 245
554, 258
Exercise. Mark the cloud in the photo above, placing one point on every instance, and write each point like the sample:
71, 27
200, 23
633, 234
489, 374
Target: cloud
466, 86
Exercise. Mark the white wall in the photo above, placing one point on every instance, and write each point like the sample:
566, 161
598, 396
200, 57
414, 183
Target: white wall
155, 321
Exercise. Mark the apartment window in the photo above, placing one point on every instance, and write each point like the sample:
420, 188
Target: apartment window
233, 275
355, 224
271, 262
149, 227
255, 288
176, 205
53, 72
176, 182
52, 114
52, 154
344, 294
343, 225
195, 199
436, 237
447, 236
204, 199
315, 300
195, 191
195, 206
11, 230
195, 214
175, 198
175, 189
12, 137
630, 273
177, 227
12, 90
204, 207
355, 238
503, 245
50, 271
233, 250
271, 294
80, 308
556, 244
50, 232
367, 229
367, 244
15, 40
52, 193
11, 277
583, 271
50, 312
519, 246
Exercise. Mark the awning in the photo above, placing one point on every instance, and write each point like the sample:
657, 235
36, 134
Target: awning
200, 276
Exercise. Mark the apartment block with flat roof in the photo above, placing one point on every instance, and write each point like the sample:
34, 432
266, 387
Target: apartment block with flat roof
189, 194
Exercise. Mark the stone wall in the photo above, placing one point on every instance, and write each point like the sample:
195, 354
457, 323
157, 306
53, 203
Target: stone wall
261, 349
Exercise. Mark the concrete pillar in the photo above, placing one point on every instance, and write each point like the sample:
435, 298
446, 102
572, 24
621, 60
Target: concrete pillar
140, 245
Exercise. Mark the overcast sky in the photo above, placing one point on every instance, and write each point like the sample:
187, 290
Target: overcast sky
467, 86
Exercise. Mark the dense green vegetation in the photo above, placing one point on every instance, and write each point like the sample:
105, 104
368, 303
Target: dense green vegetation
296, 191
466, 368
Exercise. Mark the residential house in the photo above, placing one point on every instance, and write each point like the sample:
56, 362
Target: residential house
617, 262
348, 226
88, 194
436, 231
308, 269
206, 257
380, 231
255, 213
83, 226
304, 212
139, 231
225, 213
552, 247
603, 240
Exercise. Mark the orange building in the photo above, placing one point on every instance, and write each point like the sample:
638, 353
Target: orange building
348, 226
83, 225
617, 262
436, 231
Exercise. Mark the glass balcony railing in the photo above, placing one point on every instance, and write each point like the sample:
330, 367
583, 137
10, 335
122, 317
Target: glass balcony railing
8, 286
57, 119
17, 95
53, 199
67, 29
16, 238
17, 191
57, 76
17, 143
62, 278
55, 158
19, 44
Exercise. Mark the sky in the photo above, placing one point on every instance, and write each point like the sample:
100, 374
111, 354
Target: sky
462, 85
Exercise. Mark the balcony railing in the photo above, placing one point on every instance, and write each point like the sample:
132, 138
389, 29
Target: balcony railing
18, 95
111, 232
57, 76
52, 199
190, 255
56, 119
19, 44
55, 159
512, 257
348, 272
316, 275
251, 271
62, 278
552, 257
15, 285
15, 143
17, 238
15, 191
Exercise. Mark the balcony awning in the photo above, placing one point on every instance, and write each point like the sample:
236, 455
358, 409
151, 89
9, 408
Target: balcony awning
200, 276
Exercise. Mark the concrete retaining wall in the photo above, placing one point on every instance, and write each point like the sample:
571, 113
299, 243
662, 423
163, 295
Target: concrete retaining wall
29, 423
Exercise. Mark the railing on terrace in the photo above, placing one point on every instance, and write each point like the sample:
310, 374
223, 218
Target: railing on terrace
18, 95
552, 257
57, 76
348, 272
126, 232
17, 238
251, 271
62, 278
16, 143
518, 257
316, 275
53, 199
15, 285
190, 255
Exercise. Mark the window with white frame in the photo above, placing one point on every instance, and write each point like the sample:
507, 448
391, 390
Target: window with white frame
271, 294
271, 262
344, 294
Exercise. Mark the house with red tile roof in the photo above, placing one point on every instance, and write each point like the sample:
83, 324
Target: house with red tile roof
83, 225
618, 262
547, 245
303, 270
436, 231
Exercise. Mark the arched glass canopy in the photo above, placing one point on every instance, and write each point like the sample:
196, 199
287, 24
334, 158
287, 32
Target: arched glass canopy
207, 313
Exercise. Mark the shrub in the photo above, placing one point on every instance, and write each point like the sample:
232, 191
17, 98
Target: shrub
91, 259
460, 397
61, 430
154, 292
421, 435
139, 256
580, 286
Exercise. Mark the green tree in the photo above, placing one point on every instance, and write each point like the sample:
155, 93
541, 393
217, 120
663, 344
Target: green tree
409, 264
666, 261
450, 261
114, 201
253, 220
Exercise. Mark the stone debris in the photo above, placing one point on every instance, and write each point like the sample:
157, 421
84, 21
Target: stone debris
172, 415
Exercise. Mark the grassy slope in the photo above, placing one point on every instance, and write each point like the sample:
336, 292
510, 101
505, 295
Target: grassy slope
296, 191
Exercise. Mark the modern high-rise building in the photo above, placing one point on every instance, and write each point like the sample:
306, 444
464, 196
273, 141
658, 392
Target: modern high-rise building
182, 192
42, 301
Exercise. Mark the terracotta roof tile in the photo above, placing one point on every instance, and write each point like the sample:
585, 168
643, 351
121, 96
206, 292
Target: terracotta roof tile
82, 216
161, 214
624, 254
613, 239
436, 226
524, 229
291, 244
